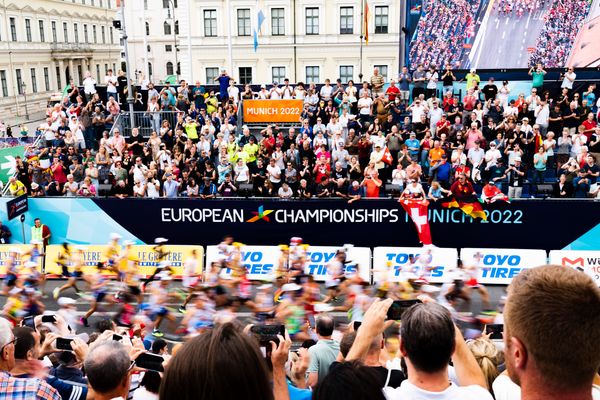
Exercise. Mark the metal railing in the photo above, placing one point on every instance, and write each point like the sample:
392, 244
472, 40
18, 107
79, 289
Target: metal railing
146, 122
38, 141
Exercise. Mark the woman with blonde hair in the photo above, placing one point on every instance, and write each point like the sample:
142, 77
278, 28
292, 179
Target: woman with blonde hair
488, 357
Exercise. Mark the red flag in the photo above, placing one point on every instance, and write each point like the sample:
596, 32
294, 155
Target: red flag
418, 211
387, 157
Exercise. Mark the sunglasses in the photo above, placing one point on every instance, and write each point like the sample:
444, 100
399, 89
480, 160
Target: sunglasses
14, 341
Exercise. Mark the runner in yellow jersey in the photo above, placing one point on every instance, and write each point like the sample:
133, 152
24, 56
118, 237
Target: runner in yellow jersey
112, 254
130, 266
75, 260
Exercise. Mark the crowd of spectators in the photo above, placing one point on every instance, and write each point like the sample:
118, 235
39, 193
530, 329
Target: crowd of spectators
442, 31
424, 357
562, 23
350, 143
518, 7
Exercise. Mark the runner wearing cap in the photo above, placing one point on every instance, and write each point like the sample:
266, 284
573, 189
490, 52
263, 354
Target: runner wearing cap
191, 278
291, 312
75, 259
12, 269
161, 255
472, 270
98, 283
130, 264
159, 296
112, 254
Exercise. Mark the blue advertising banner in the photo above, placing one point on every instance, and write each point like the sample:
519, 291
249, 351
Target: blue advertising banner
546, 224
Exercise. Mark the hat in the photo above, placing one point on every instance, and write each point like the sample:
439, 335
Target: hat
472, 70
160, 240
413, 134
263, 86
36, 241
115, 236
65, 301
275, 83
525, 119
517, 159
128, 243
168, 174
296, 239
290, 287
34, 185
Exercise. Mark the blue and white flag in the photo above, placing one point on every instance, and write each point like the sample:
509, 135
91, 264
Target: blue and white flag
260, 18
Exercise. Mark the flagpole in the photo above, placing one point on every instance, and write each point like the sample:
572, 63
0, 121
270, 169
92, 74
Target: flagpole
128, 74
146, 69
229, 50
362, 22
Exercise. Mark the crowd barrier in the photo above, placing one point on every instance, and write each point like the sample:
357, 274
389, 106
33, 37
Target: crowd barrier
497, 266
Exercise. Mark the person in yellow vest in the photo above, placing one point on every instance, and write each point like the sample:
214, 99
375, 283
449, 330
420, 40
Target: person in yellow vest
40, 232
191, 129
16, 187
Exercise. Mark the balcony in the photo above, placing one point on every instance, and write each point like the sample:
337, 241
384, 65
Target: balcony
61, 50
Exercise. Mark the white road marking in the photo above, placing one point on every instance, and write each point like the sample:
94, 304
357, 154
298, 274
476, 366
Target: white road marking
503, 34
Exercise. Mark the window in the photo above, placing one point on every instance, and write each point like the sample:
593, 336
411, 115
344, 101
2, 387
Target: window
211, 75
167, 28
28, 30
94, 34
147, 29
33, 81
346, 20
149, 70
42, 31
245, 75
76, 32
54, 35
243, 19
65, 32
383, 70
312, 74
58, 80
277, 21
103, 32
148, 49
112, 37
346, 73
19, 82
169, 68
80, 73
312, 21
177, 27
105, 69
210, 23
47, 79
381, 19
97, 72
145, 4
168, 48
166, 4
4, 83
13, 29
278, 74
85, 34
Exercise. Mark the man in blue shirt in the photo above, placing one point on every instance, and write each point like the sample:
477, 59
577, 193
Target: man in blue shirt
442, 172
223, 80
170, 186
413, 145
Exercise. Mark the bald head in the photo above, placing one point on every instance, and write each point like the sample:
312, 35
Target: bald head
107, 367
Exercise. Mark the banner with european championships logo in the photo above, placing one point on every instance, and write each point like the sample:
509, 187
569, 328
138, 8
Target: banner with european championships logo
584, 261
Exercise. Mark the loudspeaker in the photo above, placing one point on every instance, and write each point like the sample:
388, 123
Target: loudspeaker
392, 190
544, 189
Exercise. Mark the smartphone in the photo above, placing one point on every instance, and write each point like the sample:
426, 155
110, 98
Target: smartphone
356, 325
398, 307
268, 333
150, 361
48, 318
496, 331
64, 344
117, 338
28, 322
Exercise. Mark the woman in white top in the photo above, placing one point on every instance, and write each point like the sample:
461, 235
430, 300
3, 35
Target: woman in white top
503, 94
152, 187
299, 92
139, 189
399, 176
242, 173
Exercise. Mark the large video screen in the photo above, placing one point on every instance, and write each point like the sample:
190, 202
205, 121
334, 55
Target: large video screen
491, 34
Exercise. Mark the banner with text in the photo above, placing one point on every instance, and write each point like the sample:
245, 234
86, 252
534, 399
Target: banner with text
146, 256
585, 261
261, 261
500, 266
272, 111
397, 264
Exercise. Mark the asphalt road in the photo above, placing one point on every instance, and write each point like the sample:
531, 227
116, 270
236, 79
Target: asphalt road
108, 311
505, 39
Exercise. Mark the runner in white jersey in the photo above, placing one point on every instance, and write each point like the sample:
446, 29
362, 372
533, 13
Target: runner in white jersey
191, 279
472, 283
159, 296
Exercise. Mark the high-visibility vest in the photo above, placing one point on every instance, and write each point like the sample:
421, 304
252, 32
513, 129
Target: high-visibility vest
38, 233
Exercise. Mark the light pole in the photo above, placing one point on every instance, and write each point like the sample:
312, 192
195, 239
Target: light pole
129, 87
24, 87
174, 38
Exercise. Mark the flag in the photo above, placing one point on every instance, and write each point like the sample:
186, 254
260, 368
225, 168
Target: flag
260, 18
539, 141
418, 211
387, 156
472, 209
366, 33
8, 163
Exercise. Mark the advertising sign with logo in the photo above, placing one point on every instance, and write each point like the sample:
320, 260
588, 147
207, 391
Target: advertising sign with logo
272, 111
500, 266
16, 206
146, 256
396, 264
23, 255
585, 261
261, 261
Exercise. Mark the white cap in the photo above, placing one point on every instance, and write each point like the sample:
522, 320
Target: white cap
128, 243
160, 240
35, 242
65, 301
472, 70
290, 287
115, 236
